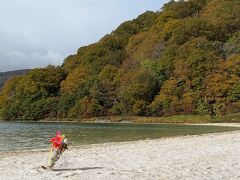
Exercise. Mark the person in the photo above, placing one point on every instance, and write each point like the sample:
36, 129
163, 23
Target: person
59, 144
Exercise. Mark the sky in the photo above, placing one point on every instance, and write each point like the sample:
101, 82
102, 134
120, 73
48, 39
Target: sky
36, 33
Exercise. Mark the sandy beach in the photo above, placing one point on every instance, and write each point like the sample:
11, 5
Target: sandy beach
210, 156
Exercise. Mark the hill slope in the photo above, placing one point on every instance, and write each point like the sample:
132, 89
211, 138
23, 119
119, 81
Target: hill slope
184, 59
4, 76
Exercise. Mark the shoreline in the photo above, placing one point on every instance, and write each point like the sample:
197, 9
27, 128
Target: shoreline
85, 146
176, 119
227, 124
43, 149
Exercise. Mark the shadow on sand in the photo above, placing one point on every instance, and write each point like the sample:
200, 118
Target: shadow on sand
76, 169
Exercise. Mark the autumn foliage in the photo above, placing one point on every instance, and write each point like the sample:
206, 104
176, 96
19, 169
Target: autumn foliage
183, 59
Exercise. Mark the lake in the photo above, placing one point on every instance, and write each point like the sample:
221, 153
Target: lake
36, 135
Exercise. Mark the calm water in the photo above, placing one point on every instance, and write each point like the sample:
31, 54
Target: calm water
19, 136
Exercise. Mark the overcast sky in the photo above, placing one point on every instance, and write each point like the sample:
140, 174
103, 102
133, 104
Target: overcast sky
35, 33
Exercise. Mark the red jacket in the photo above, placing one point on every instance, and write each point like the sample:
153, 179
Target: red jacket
57, 141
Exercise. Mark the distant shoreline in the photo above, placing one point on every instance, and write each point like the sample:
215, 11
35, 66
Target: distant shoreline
177, 119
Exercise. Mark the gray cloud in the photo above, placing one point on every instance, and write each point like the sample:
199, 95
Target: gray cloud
18, 52
35, 33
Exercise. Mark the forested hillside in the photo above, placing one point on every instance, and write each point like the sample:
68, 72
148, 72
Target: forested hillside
184, 59
4, 76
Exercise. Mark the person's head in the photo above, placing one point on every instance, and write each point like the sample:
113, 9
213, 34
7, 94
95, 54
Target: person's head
58, 134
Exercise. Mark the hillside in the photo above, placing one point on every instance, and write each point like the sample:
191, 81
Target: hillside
4, 76
183, 59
